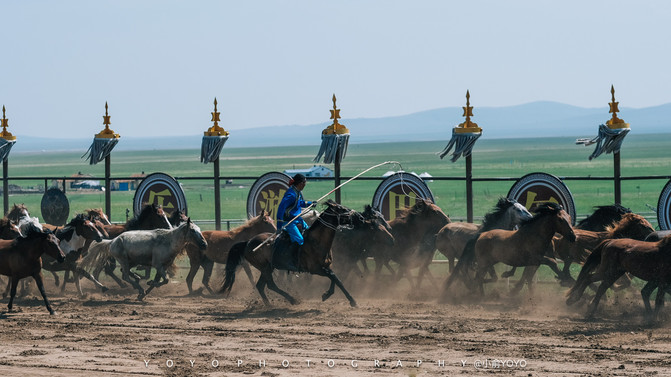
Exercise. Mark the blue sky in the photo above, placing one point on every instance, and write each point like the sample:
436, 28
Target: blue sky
160, 64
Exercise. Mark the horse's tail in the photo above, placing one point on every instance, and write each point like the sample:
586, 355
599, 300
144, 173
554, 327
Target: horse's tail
232, 262
592, 262
97, 255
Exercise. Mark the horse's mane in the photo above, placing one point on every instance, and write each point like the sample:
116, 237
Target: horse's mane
498, 211
415, 209
543, 210
142, 216
79, 219
604, 213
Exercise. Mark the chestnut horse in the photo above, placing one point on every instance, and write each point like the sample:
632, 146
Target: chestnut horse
219, 243
650, 261
527, 246
20, 258
315, 254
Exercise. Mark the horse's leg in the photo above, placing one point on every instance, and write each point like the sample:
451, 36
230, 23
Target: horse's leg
9, 285
552, 263
248, 271
81, 272
567, 280
329, 292
334, 279
13, 283
57, 280
40, 286
109, 267
194, 264
261, 287
506, 274
125, 275
272, 286
645, 295
480, 279
528, 270
208, 266
605, 284
659, 301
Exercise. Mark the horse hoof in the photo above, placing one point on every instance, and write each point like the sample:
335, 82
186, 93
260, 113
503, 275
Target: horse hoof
51, 312
104, 289
353, 304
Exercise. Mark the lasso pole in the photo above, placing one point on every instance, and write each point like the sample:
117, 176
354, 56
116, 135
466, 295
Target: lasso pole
327, 194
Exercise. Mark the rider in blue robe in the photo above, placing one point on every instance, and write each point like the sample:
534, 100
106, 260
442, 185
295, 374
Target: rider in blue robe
291, 206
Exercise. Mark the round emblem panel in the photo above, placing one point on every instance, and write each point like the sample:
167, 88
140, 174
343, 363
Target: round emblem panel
266, 194
537, 188
399, 191
664, 208
55, 207
160, 189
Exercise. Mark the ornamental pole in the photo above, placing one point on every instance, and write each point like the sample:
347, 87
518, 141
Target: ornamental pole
7, 140
213, 141
463, 139
100, 149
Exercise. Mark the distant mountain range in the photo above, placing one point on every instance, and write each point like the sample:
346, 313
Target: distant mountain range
532, 120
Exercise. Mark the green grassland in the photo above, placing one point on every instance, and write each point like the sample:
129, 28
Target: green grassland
641, 155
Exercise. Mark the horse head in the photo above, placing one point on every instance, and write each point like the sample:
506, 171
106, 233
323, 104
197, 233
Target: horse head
631, 226
561, 220
193, 234
47, 242
8, 229
336, 215
85, 228
151, 217
429, 214
262, 223
177, 218
17, 212
98, 214
378, 226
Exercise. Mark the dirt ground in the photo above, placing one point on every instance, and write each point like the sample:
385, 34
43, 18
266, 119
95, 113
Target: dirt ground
391, 332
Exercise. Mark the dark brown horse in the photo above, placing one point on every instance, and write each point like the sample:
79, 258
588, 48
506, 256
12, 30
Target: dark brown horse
603, 217
414, 233
650, 261
315, 254
219, 242
20, 258
527, 246
351, 244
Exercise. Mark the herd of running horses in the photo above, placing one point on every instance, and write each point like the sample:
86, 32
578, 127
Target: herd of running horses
613, 245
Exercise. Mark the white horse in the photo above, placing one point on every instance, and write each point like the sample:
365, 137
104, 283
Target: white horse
157, 248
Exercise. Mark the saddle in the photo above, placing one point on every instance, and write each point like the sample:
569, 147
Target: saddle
285, 253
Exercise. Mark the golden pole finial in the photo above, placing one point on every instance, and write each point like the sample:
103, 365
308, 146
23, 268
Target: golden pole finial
335, 128
215, 130
5, 123
468, 126
107, 132
615, 122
